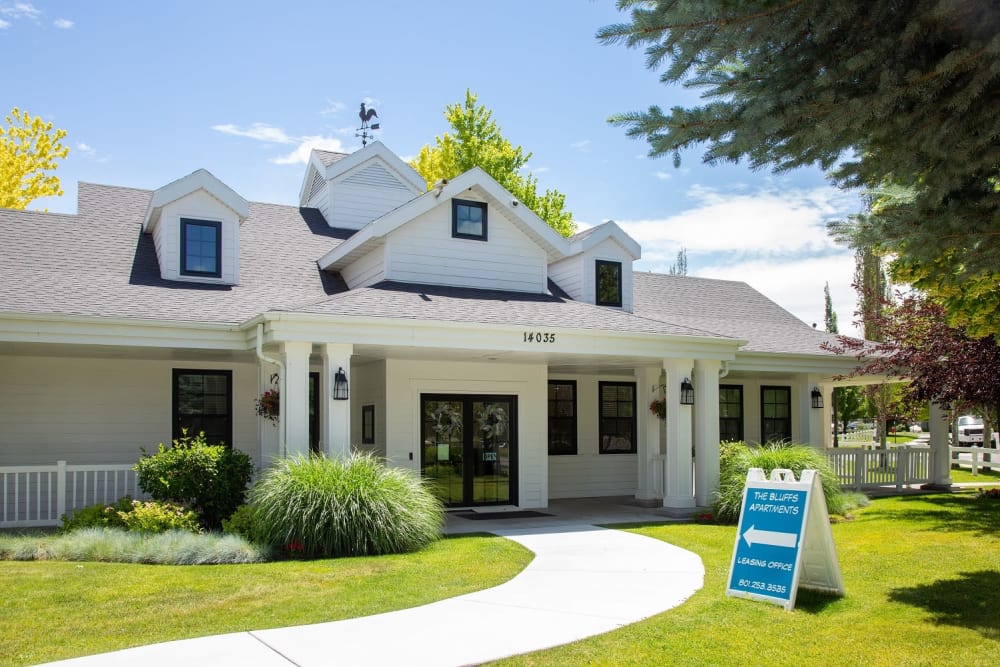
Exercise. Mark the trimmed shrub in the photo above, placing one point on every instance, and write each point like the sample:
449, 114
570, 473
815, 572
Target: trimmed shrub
345, 507
243, 522
155, 516
96, 516
211, 479
737, 458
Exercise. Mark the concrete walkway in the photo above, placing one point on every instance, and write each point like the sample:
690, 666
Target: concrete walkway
583, 581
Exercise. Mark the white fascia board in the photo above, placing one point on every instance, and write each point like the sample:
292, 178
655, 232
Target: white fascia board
74, 330
604, 231
376, 149
316, 164
760, 362
477, 336
201, 179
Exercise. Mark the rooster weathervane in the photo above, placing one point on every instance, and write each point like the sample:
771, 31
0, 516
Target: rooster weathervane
367, 125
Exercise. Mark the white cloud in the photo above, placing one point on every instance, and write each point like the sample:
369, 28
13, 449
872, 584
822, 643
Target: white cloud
85, 149
663, 175
64, 24
4, 24
333, 107
259, 131
301, 154
20, 10
582, 146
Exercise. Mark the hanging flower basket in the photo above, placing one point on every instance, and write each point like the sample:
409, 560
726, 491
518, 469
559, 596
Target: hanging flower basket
269, 403
659, 407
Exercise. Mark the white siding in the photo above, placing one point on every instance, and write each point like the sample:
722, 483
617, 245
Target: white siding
590, 474
167, 236
365, 194
568, 274
368, 270
577, 275
424, 251
368, 388
407, 380
102, 410
317, 193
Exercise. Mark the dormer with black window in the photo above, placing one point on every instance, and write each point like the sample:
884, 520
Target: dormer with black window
598, 269
195, 224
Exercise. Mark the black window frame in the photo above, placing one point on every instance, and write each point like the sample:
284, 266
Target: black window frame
368, 424
603, 421
555, 419
616, 303
186, 223
177, 418
764, 419
740, 432
455, 203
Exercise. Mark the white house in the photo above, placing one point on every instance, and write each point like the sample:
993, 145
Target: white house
476, 345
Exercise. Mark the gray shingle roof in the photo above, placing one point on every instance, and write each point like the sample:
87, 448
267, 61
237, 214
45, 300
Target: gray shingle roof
729, 308
329, 157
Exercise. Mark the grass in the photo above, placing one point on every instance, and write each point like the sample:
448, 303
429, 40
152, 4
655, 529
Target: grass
922, 575
962, 475
56, 610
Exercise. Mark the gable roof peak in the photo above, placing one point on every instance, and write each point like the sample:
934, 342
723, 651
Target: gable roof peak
200, 179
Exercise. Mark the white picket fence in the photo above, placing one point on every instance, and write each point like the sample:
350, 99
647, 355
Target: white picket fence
975, 458
869, 468
40, 495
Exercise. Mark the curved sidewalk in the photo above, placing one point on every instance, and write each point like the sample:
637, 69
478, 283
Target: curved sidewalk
583, 581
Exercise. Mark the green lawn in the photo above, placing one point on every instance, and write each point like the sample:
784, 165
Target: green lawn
922, 575
54, 610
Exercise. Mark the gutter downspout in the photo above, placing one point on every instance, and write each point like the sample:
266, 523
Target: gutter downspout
281, 391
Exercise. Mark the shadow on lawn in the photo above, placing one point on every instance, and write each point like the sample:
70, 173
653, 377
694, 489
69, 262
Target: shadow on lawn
969, 601
958, 513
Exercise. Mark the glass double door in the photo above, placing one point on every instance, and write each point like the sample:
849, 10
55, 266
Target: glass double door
469, 448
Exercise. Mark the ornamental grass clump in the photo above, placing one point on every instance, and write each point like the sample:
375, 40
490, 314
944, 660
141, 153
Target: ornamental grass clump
354, 506
737, 458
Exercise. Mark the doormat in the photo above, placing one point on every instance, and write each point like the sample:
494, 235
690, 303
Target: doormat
520, 514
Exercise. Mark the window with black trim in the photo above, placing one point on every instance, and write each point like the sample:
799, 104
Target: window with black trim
203, 401
730, 413
776, 414
201, 248
609, 283
367, 424
617, 417
468, 219
562, 417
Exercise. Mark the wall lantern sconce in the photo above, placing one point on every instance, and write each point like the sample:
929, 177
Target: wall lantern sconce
687, 392
817, 398
340, 389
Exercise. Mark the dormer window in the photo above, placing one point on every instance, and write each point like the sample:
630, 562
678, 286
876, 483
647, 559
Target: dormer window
201, 248
468, 220
609, 283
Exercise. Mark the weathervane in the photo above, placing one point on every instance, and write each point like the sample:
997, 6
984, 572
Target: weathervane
367, 126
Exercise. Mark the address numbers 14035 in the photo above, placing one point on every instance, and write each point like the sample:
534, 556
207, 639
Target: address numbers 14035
539, 337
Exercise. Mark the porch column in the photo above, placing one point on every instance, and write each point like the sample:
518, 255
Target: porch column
828, 425
650, 462
295, 401
810, 418
678, 492
336, 417
706, 430
940, 471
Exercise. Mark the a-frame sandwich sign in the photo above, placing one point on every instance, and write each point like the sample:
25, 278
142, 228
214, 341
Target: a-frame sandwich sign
784, 539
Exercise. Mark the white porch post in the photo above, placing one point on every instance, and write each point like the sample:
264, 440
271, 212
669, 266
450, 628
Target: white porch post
940, 451
678, 492
295, 402
810, 418
336, 418
827, 424
706, 430
650, 462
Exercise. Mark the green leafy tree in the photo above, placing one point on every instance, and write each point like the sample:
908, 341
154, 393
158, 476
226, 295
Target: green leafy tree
29, 148
680, 267
898, 97
476, 141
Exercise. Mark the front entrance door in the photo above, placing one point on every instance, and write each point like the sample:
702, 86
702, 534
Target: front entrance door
469, 448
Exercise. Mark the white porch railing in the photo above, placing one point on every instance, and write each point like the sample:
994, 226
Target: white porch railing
40, 495
868, 468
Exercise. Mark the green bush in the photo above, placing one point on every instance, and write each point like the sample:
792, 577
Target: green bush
736, 459
211, 479
100, 515
155, 516
345, 507
243, 522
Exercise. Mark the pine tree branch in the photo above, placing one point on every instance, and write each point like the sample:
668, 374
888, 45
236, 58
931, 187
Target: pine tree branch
737, 20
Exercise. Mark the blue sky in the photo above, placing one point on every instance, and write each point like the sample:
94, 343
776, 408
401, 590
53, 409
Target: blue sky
151, 91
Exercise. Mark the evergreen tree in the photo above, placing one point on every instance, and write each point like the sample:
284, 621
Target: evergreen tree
895, 96
829, 315
478, 142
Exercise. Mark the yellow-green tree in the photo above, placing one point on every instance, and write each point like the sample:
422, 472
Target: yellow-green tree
478, 142
29, 148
